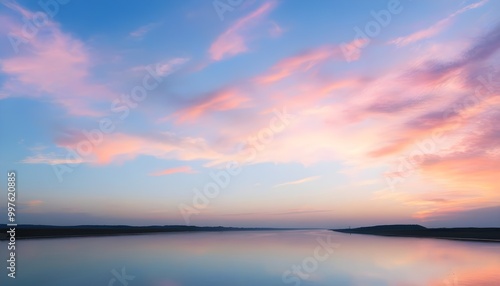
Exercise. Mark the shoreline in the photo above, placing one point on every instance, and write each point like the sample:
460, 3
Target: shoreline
42, 231
432, 237
490, 234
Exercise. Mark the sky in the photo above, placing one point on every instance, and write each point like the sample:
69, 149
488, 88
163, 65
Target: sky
251, 113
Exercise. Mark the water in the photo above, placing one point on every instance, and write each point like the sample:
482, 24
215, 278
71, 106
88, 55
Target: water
253, 258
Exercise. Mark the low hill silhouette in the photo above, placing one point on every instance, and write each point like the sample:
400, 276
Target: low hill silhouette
415, 230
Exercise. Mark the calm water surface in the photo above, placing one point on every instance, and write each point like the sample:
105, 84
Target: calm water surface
253, 258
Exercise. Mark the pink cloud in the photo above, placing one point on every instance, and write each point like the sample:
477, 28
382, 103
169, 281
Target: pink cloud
224, 100
54, 65
301, 62
120, 147
19, 9
373, 118
182, 169
422, 34
434, 29
234, 41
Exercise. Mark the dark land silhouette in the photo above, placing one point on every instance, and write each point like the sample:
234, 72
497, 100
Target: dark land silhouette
403, 230
50, 231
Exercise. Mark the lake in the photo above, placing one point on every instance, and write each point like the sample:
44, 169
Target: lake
300, 257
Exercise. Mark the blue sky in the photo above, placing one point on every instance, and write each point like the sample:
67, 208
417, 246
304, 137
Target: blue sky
264, 113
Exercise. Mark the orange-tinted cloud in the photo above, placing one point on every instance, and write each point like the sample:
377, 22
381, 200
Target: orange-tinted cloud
120, 147
301, 62
224, 100
182, 169
33, 203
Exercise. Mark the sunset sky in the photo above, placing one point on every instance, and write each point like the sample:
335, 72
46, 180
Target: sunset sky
252, 113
